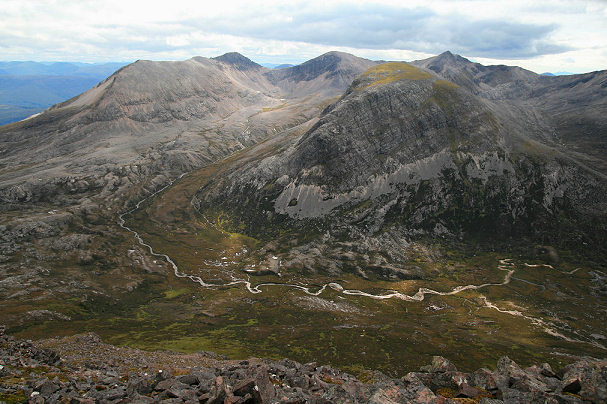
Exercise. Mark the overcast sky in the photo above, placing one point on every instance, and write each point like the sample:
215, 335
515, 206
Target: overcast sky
553, 35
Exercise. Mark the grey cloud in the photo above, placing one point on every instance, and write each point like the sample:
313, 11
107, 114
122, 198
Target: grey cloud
500, 39
362, 26
336, 25
385, 27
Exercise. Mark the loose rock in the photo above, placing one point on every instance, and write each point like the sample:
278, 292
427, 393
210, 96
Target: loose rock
265, 381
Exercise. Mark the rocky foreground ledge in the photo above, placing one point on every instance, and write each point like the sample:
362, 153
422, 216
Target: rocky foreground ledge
82, 369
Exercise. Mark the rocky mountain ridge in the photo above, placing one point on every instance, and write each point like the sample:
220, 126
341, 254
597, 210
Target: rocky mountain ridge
572, 105
159, 119
320, 75
407, 150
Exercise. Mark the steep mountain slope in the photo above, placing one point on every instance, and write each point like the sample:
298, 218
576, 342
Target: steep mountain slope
161, 118
573, 105
68, 174
324, 74
496, 82
409, 153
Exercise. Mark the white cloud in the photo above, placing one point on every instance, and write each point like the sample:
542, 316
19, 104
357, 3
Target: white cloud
547, 35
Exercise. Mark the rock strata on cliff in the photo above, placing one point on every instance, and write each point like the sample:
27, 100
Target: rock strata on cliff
407, 150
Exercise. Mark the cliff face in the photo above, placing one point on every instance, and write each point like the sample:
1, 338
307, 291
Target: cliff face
574, 104
408, 150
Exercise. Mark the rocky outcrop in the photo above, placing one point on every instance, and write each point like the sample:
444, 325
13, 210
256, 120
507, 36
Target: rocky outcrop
29, 373
573, 105
406, 150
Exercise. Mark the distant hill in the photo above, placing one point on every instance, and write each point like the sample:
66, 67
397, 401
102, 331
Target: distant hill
27, 88
277, 66
59, 68
557, 74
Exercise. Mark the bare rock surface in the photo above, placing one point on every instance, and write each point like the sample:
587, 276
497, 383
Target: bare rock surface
153, 120
407, 151
573, 105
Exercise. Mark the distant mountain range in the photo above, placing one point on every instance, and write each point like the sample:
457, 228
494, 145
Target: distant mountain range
59, 68
557, 74
277, 66
27, 88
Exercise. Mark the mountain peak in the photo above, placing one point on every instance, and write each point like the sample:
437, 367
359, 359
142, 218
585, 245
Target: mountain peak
444, 63
330, 61
447, 56
337, 57
337, 53
237, 60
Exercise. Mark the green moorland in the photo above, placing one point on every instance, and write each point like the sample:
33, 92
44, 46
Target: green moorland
352, 332
543, 314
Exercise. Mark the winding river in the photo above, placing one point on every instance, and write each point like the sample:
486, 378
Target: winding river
505, 265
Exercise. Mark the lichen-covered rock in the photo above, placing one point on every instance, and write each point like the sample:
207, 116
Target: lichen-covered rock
286, 381
440, 364
586, 378
139, 386
488, 380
